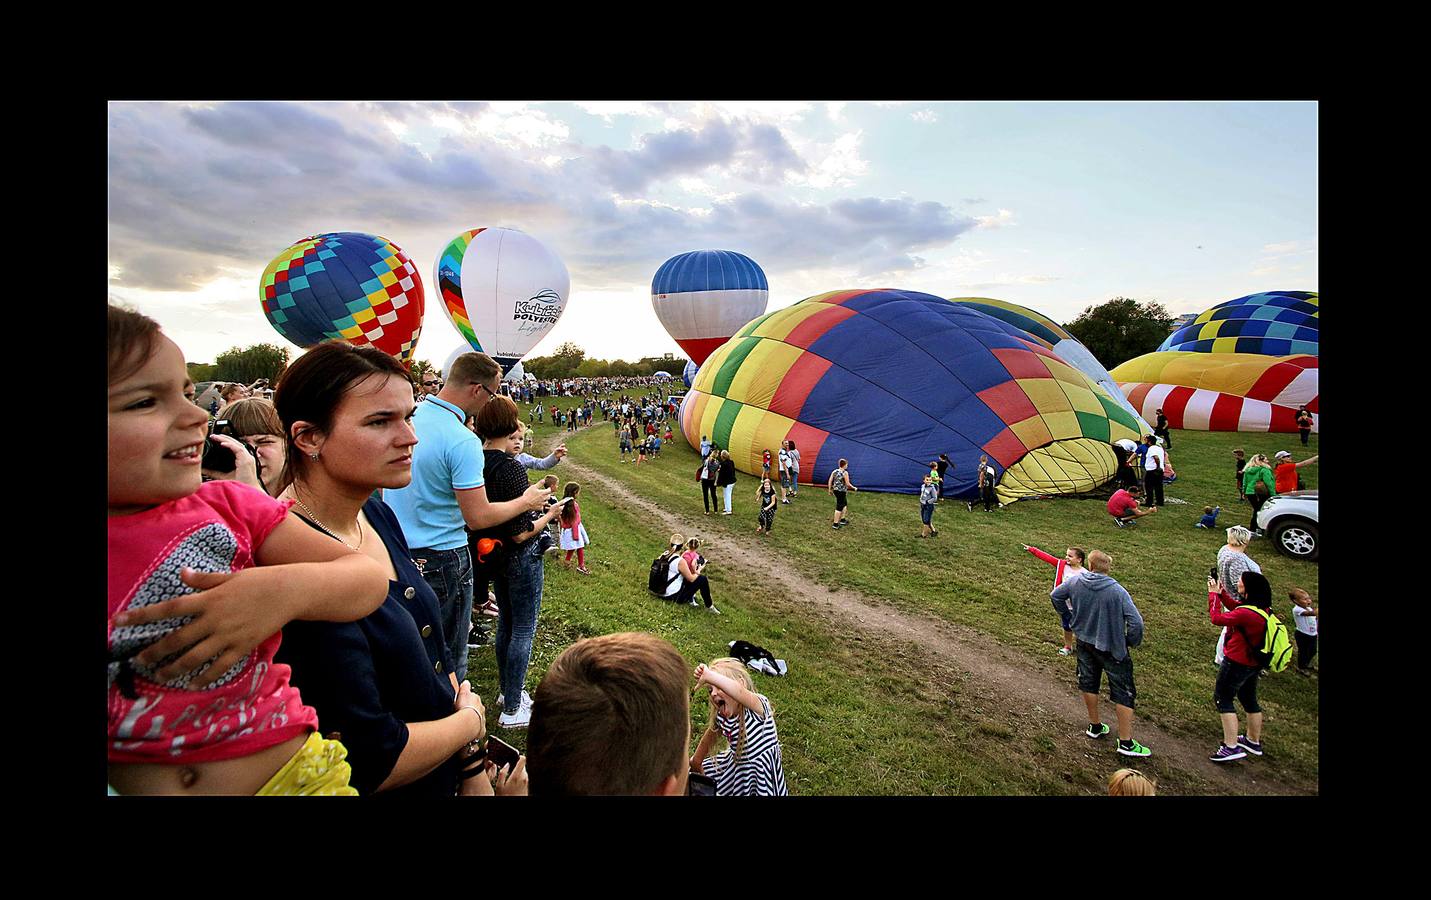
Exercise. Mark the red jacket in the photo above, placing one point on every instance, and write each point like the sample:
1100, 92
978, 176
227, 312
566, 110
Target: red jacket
1246, 628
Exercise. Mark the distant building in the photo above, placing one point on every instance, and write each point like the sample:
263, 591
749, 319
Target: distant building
1181, 321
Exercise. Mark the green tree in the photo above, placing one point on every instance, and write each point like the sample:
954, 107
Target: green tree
250, 364
1121, 329
419, 368
201, 372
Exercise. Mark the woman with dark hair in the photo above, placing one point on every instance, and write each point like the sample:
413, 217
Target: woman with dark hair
1160, 429
1240, 669
385, 681
518, 573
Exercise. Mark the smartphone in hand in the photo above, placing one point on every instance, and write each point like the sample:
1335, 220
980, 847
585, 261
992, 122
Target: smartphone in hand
502, 753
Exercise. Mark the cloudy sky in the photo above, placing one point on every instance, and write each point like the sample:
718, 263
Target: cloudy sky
1054, 205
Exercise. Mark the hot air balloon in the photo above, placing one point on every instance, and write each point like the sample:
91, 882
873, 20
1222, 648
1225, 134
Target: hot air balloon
890, 379
1223, 391
704, 296
1273, 323
1053, 336
502, 289
688, 374
345, 286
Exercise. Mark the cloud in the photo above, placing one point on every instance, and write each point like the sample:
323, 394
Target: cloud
1266, 270
1283, 247
998, 220
836, 164
927, 116
749, 150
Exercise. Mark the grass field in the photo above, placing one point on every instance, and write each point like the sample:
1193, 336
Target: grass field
862, 714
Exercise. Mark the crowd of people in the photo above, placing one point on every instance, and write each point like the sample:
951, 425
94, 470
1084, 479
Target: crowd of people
305, 569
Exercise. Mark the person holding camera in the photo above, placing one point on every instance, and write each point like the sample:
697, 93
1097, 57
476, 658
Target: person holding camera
518, 573
254, 424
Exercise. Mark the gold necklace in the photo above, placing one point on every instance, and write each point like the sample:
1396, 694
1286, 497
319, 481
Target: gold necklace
328, 531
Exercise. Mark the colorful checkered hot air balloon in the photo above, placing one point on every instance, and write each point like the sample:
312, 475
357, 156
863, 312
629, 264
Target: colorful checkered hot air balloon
704, 296
890, 379
345, 286
502, 289
1273, 323
1223, 391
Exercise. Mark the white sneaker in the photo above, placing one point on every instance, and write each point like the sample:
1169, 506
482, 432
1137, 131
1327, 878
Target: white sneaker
712, 609
695, 603
519, 719
526, 700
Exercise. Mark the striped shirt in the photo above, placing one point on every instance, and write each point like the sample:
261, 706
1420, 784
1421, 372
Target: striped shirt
758, 772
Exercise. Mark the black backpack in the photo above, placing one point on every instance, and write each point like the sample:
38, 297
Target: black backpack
659, 582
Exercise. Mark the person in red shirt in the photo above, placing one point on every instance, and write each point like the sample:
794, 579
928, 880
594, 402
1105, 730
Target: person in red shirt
1240, 667
1123, 506
1285, 471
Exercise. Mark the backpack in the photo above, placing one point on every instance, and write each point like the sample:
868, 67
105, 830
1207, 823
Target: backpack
1276, 650
659, 582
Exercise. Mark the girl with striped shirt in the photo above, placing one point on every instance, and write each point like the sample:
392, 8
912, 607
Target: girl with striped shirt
750, 766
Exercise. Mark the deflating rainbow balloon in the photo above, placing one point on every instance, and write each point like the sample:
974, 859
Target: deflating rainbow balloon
890, 379
704, 296
345, 286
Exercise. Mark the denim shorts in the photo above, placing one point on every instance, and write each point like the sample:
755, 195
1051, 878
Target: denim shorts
1092, 663
926, 513
1065, 615
785, 478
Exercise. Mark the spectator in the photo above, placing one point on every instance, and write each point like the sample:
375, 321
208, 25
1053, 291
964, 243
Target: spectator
942, 466
1066, 569
987, 477
1285, 477
928, 496
1106, 624
1240, 458
765, 461
573, 532
255, 423
518, 573
1209, 517
189, 389
725, 478
685, 574
1123, 506
710, 469
431, 384
233, 392
794, 469
1304, 423
1305, 617
1125, 450
1259, 486
1240, 669
750, 766
448, 491
1153, 462
705, 447
385, 682
1160, 429
765, 500
202, 577
1232, 561
839, 484
1131, 783
549, 461
782, 461
612, 717
624, 442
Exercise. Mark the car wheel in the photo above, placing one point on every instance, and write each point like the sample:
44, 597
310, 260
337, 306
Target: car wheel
1297, 538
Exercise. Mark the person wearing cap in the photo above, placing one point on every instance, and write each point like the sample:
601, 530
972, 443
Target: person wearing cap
1285, 471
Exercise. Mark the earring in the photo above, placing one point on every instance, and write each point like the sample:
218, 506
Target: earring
313, 455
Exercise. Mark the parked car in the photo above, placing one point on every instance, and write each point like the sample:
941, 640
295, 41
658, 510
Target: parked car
1290, 521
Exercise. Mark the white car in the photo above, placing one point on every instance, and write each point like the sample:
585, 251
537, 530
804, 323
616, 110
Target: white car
1290, 521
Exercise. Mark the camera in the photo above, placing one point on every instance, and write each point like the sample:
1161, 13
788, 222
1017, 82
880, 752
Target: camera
218, 458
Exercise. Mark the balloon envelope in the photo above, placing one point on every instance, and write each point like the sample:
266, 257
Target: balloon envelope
705, 296
345, 286
1273, 323
502, 289
889, 380
688, 375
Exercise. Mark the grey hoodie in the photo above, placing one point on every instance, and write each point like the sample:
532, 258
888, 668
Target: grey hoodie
1103, 613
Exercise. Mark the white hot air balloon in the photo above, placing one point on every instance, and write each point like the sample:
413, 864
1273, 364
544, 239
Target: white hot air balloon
502, 289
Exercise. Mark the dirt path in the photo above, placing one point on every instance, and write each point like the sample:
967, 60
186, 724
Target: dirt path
997, 672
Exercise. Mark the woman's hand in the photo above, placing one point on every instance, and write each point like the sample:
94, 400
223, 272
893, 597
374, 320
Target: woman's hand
233, 613
536, 496
510, 782
466, 697
245, 471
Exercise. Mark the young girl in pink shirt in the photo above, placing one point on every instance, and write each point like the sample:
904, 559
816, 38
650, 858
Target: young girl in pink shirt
202, 577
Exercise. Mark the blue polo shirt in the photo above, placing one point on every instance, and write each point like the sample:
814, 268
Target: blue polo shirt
447, 458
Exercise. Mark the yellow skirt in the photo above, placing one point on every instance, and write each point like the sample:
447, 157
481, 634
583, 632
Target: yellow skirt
319, 768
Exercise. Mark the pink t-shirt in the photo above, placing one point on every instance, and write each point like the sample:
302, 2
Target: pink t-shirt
252, 706
1121, 502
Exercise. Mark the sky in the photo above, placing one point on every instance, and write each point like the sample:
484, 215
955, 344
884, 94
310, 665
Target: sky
1053, 205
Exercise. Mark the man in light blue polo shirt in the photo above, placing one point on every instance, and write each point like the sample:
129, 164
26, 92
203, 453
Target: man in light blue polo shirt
448, 494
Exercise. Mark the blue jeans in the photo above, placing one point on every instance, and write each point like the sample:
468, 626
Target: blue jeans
449, 574
518, 585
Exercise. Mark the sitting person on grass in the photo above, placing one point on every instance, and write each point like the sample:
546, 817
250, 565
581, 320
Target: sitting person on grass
1123, 506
